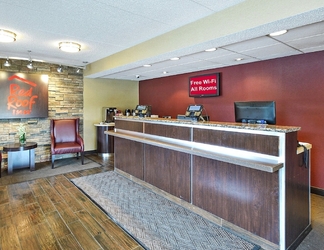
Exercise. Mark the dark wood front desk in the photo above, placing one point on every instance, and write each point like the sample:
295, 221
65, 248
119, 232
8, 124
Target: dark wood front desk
250, 178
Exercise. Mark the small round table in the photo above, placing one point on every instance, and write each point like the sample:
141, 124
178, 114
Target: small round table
20, 155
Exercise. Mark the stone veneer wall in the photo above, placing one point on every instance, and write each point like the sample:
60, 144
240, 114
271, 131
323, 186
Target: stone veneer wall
65, 100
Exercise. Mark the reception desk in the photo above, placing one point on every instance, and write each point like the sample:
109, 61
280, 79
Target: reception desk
252, 178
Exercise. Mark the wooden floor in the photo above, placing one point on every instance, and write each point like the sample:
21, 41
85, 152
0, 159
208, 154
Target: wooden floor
51, 213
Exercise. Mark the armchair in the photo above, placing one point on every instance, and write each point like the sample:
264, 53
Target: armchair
65, 138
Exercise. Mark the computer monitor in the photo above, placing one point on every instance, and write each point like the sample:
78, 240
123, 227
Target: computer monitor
255, 112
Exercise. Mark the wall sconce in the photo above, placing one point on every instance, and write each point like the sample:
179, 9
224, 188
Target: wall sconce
7, 36
59, 69
69, 46
7, 63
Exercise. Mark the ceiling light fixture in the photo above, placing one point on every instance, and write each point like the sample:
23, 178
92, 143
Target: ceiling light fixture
69, 47
147, 65
174, 58
7, 36
30, 65
210, 50
59, 69
278, 33
239, 59
7, 63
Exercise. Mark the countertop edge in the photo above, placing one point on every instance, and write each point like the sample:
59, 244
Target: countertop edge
209, 124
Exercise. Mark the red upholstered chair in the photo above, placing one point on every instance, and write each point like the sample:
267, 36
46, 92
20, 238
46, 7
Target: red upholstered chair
65, 138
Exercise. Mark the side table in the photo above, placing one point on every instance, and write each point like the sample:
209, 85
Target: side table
20, 156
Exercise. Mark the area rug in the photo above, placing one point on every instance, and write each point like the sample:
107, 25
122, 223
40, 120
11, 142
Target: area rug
44, 169
156, 222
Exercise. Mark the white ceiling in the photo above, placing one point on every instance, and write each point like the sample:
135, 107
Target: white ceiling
108, 27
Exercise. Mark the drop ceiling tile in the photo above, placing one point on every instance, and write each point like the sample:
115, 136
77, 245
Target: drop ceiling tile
283, 54
313, 49
252, 44
211, 66
307, 42
220, 52
271, 51
302, 32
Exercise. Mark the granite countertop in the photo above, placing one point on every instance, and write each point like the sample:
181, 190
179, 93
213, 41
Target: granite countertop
105, 124
260, 127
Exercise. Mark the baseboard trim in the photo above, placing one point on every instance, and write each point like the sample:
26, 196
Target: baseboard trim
317, 191
90, 152
301, 237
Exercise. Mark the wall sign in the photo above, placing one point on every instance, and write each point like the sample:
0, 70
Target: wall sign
23, 95
204, 85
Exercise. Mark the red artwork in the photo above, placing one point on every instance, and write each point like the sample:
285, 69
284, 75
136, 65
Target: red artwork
26, 95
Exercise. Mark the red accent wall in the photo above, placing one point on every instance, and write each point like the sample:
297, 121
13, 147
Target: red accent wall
296, 83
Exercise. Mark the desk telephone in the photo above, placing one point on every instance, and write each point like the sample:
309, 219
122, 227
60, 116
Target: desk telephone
143, 110
194, 111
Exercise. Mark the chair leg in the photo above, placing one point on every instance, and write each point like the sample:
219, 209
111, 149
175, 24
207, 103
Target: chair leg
53, 158
82, 158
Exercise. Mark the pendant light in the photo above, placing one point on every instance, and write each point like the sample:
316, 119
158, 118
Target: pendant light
30, 64
7, 63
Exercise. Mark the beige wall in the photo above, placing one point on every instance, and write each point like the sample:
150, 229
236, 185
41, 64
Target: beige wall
99, 93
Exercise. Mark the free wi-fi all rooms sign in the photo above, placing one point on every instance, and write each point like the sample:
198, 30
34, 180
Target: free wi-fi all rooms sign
23, 95
204, 85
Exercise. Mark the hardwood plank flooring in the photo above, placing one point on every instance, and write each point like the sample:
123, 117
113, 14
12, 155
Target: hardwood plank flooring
51, 213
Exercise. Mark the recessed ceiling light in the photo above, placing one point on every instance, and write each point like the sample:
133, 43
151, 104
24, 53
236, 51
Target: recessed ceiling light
147, 65
165, 72
278, 33
210, 50
7, 36
174, 58
69, 46
239, 59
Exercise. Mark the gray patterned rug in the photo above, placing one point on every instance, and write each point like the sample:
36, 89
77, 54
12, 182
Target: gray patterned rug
156, 222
